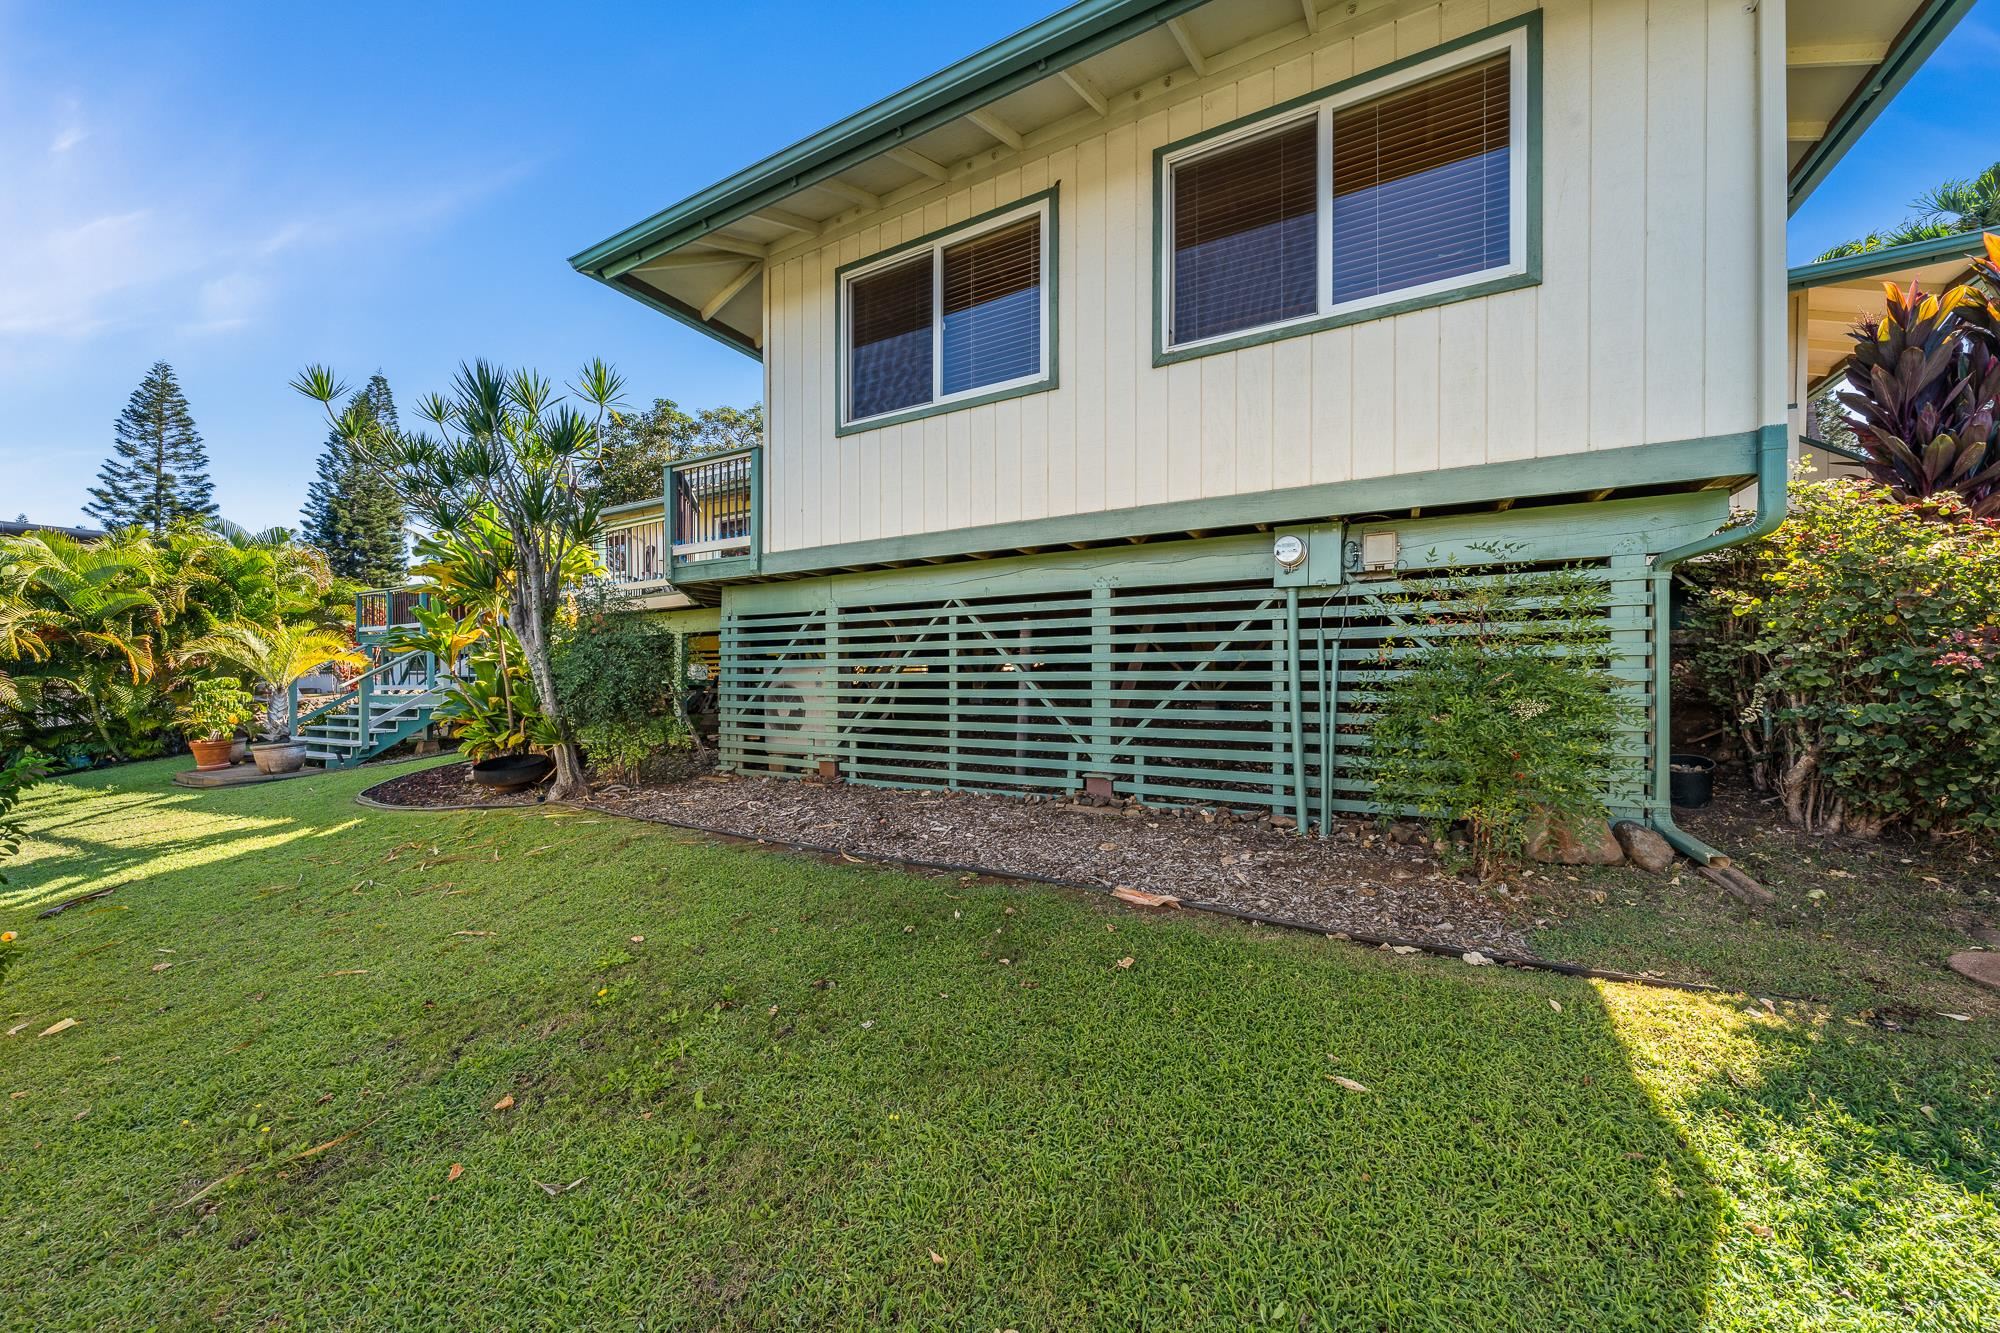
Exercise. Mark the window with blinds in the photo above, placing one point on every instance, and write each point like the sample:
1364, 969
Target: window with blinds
1246, 234
1370, 195
890, 338
1420, 184
967, 314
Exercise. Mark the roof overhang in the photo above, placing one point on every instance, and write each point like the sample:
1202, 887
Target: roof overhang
1838, 293
1845, 60
702, 260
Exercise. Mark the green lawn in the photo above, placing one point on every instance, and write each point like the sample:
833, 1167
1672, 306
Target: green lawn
815, 1096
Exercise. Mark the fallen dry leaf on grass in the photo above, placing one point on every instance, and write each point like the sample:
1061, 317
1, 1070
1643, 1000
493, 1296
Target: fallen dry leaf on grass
1556, 1005
54, 1028
18, 1028
161, 967
473, 934
552, 1190
1475, 959
505, 1103
937, 1258
457, 1170
350, 972
1347, 1083
1125, 962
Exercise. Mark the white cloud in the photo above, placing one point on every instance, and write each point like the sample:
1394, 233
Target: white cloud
68, 138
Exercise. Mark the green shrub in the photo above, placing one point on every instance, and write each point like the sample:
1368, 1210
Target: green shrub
16, 776
621, 674
1503, 714
1858, 650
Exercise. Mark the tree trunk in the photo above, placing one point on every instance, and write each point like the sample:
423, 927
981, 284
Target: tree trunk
1795, 786
533, 605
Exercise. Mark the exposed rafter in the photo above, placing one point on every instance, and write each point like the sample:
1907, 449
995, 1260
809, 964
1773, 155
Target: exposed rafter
1312, 15
1080, 84
1805, 131
788, 220
995, 126
917, 162
687, 259
735, 246
1836, 55
853, 194
1195, 58
729, 290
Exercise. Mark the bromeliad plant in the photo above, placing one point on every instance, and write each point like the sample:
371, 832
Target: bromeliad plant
1925, 385
1497, 708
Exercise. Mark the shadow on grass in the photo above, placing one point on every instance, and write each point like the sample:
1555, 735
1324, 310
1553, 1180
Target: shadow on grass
787, 1086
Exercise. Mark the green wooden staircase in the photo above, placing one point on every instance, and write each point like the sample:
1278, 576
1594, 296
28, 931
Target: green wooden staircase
384, 706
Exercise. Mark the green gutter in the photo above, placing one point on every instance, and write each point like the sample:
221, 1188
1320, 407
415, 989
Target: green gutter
1933, 21
1771, 497
1029, 56
1888, 259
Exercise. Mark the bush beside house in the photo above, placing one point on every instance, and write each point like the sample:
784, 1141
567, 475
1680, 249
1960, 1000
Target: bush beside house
1857, 650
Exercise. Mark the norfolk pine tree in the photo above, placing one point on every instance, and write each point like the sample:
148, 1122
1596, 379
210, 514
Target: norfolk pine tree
157, 474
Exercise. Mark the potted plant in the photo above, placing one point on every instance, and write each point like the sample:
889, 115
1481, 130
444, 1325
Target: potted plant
215, 709
275, 657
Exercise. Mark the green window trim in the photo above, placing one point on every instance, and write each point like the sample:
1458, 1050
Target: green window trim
1530, 26
1050, 203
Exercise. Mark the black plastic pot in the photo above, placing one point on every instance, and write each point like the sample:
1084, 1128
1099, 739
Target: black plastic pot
512, 772
1691, 780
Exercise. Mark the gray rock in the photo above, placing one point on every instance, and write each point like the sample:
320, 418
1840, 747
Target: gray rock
1645, 848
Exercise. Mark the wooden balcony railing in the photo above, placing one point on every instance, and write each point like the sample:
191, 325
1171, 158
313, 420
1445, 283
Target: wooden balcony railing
379, 610
635, 552
714, 514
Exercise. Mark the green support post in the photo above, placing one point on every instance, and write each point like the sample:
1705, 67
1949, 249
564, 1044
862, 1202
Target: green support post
1295, 683
1100, 676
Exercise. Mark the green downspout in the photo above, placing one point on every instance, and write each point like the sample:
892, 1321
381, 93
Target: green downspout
1771, 479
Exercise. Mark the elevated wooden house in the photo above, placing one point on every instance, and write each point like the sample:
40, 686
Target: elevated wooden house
1120, 376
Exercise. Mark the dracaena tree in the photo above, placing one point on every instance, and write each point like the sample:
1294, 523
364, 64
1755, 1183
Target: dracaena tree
506, 444
1924, 387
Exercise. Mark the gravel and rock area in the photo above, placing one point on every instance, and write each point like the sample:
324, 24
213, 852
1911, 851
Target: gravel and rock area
1360, 881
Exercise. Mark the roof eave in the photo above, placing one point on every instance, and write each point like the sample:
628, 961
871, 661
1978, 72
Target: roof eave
1926, 30
1028, 56
1888, 259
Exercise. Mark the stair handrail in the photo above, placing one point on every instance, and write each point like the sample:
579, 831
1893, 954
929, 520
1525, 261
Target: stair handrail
355, 689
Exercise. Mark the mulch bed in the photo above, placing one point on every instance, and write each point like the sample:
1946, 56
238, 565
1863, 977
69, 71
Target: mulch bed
1358, 882
448, 785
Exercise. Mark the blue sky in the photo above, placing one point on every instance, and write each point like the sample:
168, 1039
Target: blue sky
240, 189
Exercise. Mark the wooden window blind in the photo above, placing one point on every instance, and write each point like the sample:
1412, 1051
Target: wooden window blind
1421, 181
889, 361
1245, 239
992, 290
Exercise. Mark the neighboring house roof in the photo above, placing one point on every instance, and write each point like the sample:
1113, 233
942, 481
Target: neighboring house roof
21, 529
701, 261
1839, 292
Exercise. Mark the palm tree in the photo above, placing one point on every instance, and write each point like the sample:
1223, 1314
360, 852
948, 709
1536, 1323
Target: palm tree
1949, 209
274, 656
81, 616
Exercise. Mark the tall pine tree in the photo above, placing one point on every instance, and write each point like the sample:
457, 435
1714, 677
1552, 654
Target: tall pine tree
157, 474
352, 511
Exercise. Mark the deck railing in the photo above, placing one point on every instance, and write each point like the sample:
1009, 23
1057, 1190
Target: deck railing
379, 610
714, 513
635, 551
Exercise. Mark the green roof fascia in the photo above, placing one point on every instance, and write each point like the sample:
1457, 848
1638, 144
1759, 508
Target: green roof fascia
1888, 259
1927, 28
1030, 55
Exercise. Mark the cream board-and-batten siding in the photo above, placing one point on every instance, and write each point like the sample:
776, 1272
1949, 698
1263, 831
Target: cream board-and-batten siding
1644, 326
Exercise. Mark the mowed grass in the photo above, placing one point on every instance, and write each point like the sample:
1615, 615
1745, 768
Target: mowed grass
824, 1096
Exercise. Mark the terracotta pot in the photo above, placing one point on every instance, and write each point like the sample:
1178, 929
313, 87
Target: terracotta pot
279, 756
211, 755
